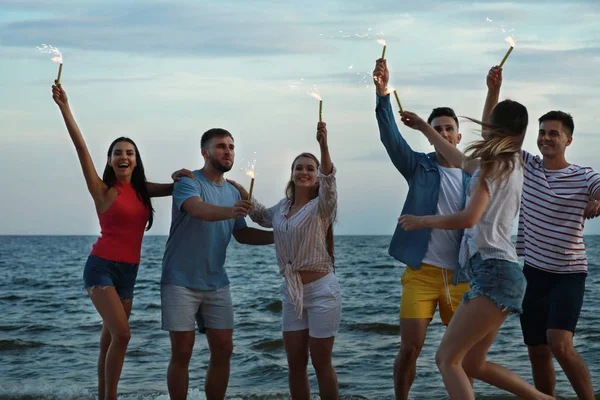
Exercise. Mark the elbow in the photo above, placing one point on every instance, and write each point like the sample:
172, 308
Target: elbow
470, 222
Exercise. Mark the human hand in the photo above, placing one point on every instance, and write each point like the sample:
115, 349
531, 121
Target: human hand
494, 78
381, 76
177, 175
241, 208
59, 95
411, 222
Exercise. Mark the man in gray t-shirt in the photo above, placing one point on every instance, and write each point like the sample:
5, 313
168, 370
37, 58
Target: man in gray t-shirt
207, 210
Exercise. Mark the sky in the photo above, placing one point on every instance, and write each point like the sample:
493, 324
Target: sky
164, 72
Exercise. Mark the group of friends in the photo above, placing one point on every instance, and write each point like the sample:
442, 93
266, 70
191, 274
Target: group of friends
454, 235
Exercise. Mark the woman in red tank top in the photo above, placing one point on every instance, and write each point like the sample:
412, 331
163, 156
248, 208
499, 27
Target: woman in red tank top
122, 200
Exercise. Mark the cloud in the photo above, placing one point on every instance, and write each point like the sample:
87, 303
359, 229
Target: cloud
373, 156
164, 29
14, 113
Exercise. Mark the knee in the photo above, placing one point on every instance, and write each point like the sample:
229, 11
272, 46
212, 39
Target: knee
321, 362
539, 354
181, 354
120, 337
298, 362
561, 348
443, 361
221, 351
408, 354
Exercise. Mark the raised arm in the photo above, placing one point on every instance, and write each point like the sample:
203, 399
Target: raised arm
326, 176
450, 152
494, 82
95, 185
402, 156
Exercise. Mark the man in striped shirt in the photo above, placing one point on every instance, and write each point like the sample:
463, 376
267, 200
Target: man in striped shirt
557, 199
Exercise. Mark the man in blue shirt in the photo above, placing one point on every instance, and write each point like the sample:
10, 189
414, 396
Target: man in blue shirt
207, 210
431, 255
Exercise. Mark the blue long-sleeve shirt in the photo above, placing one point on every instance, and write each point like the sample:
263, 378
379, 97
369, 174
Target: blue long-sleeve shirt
423, 176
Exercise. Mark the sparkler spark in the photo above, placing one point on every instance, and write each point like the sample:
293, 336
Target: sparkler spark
47, 49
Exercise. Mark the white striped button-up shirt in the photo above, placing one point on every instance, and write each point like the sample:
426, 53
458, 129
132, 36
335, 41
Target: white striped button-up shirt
300, 240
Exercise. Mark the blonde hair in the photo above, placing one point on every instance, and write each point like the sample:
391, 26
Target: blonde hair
290, 193
505, 134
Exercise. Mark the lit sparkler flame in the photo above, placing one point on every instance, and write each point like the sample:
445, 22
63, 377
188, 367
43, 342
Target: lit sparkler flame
57, 55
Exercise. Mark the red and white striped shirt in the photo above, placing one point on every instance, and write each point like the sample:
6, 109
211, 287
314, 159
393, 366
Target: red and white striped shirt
550, 235
301, 240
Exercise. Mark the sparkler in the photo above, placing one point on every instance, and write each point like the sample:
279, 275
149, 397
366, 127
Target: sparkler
57, 57
381, 41
510, 41
250, 173
399, 104
316, 96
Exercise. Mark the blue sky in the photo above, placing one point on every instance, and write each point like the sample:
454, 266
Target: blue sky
165, 72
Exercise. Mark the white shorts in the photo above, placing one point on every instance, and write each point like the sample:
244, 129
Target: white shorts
322, 308
181, 307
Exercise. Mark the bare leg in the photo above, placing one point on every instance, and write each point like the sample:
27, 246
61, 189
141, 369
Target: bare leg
220, 342
468, 338
412, 337
561, 344
542, 369
320, 354
182, 345
114, 318
296, 348
104, 345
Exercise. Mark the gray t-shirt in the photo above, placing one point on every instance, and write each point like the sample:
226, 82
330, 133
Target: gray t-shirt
491, 236
195, 252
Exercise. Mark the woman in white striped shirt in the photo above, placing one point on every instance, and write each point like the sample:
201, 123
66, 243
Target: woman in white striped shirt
498, 284
302, 223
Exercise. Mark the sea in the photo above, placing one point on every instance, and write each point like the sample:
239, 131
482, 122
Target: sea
49, 330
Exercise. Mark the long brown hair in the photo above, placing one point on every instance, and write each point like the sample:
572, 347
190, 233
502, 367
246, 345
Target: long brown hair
138, 177
290, 193
506, 132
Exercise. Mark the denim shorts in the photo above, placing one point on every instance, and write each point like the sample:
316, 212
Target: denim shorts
501, 281
100, 272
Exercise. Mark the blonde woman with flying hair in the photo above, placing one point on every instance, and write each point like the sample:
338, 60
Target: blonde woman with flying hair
498, 284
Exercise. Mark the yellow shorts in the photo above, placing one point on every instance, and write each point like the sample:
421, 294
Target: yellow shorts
424, 288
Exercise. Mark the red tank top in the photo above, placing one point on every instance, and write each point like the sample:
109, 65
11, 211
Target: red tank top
122, 227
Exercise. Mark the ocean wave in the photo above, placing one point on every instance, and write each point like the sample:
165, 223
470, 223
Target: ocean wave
274, 344
11, 297
274, 306
6, 345
376, 327
8, 328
